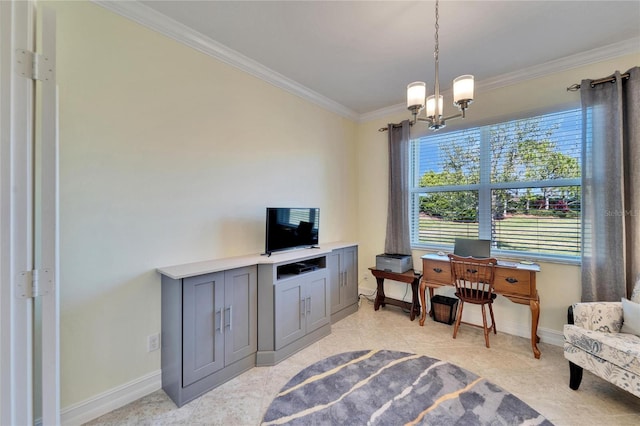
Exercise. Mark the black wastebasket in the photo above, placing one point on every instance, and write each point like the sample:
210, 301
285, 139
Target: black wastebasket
444, 309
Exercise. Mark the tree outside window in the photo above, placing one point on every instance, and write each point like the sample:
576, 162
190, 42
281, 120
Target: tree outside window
517, 183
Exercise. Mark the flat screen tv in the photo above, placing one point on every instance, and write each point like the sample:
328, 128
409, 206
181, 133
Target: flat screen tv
289, 228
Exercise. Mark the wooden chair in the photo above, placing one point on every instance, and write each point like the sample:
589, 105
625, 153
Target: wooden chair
473, 279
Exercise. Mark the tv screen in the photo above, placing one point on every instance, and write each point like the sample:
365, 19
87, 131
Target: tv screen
289, 228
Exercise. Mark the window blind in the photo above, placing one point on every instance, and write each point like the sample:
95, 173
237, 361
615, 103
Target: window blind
516, 183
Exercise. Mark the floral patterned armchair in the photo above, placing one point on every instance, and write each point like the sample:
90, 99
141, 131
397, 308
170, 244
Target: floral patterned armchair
593, 340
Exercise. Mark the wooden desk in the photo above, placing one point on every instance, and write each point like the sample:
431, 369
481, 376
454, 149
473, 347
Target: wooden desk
409, 277
515, 281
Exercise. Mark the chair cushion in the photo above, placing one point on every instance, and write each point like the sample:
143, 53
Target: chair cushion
620, 349
608, 371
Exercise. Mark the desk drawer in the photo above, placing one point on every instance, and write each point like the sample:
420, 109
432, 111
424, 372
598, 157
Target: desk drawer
436, 271
513, 281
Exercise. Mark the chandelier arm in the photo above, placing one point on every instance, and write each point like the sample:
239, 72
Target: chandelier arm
459, 115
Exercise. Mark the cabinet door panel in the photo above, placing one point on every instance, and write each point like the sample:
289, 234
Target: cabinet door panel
203, 298
317, 303
289, 313
350, 269
241, 299
335, 279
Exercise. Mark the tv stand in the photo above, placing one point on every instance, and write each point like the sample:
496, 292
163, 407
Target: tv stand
276, 306
293, 307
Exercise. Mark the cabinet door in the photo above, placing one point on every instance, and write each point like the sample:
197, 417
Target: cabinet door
240, 313
335, 280
317, 309
202, 310
350, 273
290, 308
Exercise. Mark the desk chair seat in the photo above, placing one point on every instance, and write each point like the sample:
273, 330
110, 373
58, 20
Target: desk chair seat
473, 279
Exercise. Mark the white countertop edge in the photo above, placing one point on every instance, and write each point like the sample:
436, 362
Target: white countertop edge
186, 270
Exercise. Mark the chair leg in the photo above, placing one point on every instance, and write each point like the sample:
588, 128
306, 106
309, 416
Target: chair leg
493, 320
485, 328
575, 376
458, 319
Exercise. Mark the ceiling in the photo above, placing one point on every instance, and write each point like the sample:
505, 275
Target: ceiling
362, 54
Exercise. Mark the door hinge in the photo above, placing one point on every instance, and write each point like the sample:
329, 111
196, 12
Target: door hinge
33, 65
39, 282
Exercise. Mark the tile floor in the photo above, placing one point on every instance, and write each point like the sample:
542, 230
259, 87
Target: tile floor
509, 363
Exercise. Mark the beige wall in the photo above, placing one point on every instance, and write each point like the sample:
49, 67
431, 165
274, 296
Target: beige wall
558, 285
168, 156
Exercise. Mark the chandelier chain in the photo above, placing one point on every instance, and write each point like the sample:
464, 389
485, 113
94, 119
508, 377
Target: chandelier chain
437, 48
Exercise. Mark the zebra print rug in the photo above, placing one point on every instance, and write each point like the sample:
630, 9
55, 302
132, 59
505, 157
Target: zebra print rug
382, 387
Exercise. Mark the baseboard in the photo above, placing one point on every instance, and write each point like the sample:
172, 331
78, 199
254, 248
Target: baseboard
547, 335
110, 400
552, 337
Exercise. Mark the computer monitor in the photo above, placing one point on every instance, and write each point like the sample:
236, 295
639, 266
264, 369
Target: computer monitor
470, 247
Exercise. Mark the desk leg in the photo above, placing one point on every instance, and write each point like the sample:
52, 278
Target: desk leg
423, 287
535, 316
379, 294
415, 305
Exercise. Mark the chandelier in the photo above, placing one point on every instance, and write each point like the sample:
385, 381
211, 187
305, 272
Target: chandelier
416, 93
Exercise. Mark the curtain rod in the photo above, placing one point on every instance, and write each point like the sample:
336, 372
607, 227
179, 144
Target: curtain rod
395, 126
610, 79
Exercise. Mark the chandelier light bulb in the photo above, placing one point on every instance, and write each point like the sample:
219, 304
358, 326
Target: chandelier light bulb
431, 106
416, 93
463, 90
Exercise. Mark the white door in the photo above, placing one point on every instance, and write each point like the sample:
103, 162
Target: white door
28, 217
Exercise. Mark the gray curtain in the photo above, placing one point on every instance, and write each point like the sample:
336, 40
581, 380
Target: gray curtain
610, 187
398, 239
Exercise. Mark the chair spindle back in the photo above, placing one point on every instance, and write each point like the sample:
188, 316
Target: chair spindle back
473, 277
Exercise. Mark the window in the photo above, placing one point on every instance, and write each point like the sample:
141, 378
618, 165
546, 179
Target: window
516, 183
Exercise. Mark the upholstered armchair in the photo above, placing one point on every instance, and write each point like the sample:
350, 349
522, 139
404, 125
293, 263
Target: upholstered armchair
597, 339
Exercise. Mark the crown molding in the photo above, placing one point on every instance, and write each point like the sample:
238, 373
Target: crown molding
156, 21
600, 54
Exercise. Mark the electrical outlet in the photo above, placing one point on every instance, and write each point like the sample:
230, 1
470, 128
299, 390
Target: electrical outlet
153, 342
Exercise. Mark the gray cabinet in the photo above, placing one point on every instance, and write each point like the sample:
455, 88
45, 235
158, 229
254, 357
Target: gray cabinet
343, 266
294, 308
203, 302
209, 330
318, 312
289, 322
301, 306
223, 317
240, 314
